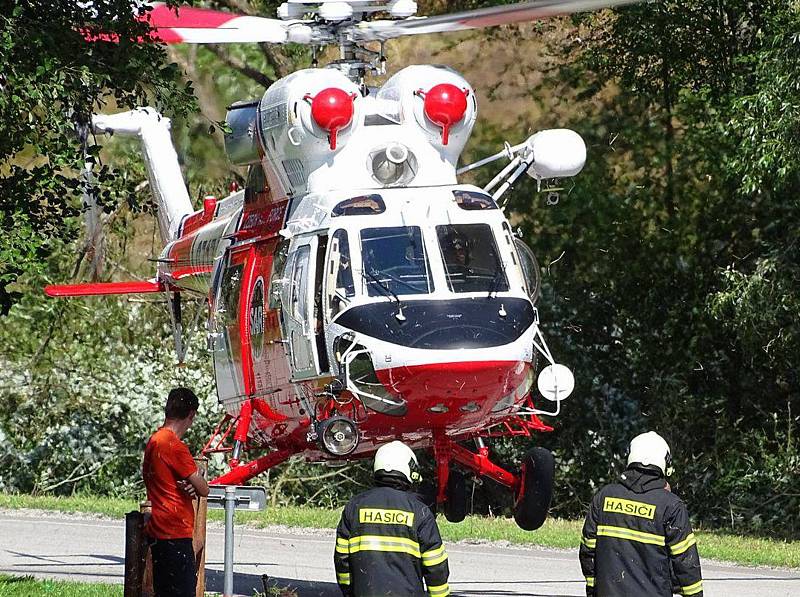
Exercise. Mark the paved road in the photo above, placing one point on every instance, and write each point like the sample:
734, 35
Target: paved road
92, 550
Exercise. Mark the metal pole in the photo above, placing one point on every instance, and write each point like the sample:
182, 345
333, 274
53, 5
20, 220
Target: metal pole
230, 505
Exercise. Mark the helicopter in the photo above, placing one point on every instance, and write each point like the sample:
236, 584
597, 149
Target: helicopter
356, 291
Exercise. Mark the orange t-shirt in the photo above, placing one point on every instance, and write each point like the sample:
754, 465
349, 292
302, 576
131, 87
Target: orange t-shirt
166, 461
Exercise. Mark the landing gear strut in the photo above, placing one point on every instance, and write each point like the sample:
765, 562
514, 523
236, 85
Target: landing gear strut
532, 487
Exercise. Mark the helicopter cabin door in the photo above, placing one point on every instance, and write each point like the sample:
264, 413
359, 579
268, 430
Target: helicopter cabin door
301, 299
226, 337
248, 356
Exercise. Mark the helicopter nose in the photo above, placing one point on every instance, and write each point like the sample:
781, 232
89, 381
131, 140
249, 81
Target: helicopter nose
457, 387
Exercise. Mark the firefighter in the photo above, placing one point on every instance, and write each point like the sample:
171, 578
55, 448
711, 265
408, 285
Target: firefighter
637, 538
387, 540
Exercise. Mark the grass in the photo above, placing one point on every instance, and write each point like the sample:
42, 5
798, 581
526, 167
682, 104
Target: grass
555, 533
27, 586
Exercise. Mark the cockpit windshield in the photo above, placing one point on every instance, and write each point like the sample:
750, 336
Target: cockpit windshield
395, 262
471, 260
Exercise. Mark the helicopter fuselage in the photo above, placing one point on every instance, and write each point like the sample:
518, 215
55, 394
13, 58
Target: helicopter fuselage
356, 292
411, 302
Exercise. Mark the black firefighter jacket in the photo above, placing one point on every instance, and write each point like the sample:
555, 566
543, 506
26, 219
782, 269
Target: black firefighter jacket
637, 540
386, 543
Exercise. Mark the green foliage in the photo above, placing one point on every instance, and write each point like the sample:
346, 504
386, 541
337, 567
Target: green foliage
27, 586
675, 299
83, 386
52, 79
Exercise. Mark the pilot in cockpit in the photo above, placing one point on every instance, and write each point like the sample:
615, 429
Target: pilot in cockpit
455, 250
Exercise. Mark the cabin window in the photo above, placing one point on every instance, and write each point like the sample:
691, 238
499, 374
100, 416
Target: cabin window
473, 200
364, 205
299, 298
394, 261
339, 274
230, 290
277, 278
471, 260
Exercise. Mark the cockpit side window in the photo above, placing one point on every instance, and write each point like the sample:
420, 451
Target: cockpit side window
339, 274
530, 268
471, 260
395, 262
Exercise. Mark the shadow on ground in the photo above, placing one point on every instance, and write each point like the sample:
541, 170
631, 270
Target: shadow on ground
247, 584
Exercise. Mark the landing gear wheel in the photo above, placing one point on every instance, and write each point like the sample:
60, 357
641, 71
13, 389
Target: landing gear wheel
536, 491
455, 508
427, 493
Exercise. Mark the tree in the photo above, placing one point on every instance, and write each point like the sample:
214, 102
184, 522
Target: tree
51, 80
679, 274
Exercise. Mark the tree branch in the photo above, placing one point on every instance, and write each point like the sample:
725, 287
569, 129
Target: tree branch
71, 479
279, 63
241, 6
241, 67
206, 97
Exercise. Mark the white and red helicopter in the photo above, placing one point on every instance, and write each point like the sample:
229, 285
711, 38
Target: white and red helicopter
357, 292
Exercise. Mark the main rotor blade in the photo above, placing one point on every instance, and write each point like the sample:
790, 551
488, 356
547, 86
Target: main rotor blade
203, 26
481, 17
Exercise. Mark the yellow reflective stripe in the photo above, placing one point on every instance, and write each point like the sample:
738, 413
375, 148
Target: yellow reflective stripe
439, 590
682, 546
434, 556
590, 543
342, 545
343, 578
692, 589
435, 561
630, 535
590, 581
385, 538
432, 553
384, 543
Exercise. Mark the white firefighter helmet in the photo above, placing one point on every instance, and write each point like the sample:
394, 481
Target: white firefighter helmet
650, 449
396, 459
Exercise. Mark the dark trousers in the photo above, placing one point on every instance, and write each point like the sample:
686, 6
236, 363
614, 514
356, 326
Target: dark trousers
174, 573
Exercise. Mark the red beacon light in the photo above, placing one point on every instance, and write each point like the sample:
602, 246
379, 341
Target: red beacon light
332, 109
445, 105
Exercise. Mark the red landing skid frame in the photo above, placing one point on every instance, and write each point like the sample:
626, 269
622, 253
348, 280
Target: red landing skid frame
241, 473
445, 450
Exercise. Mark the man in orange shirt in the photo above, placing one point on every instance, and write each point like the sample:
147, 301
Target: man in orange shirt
173, 481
